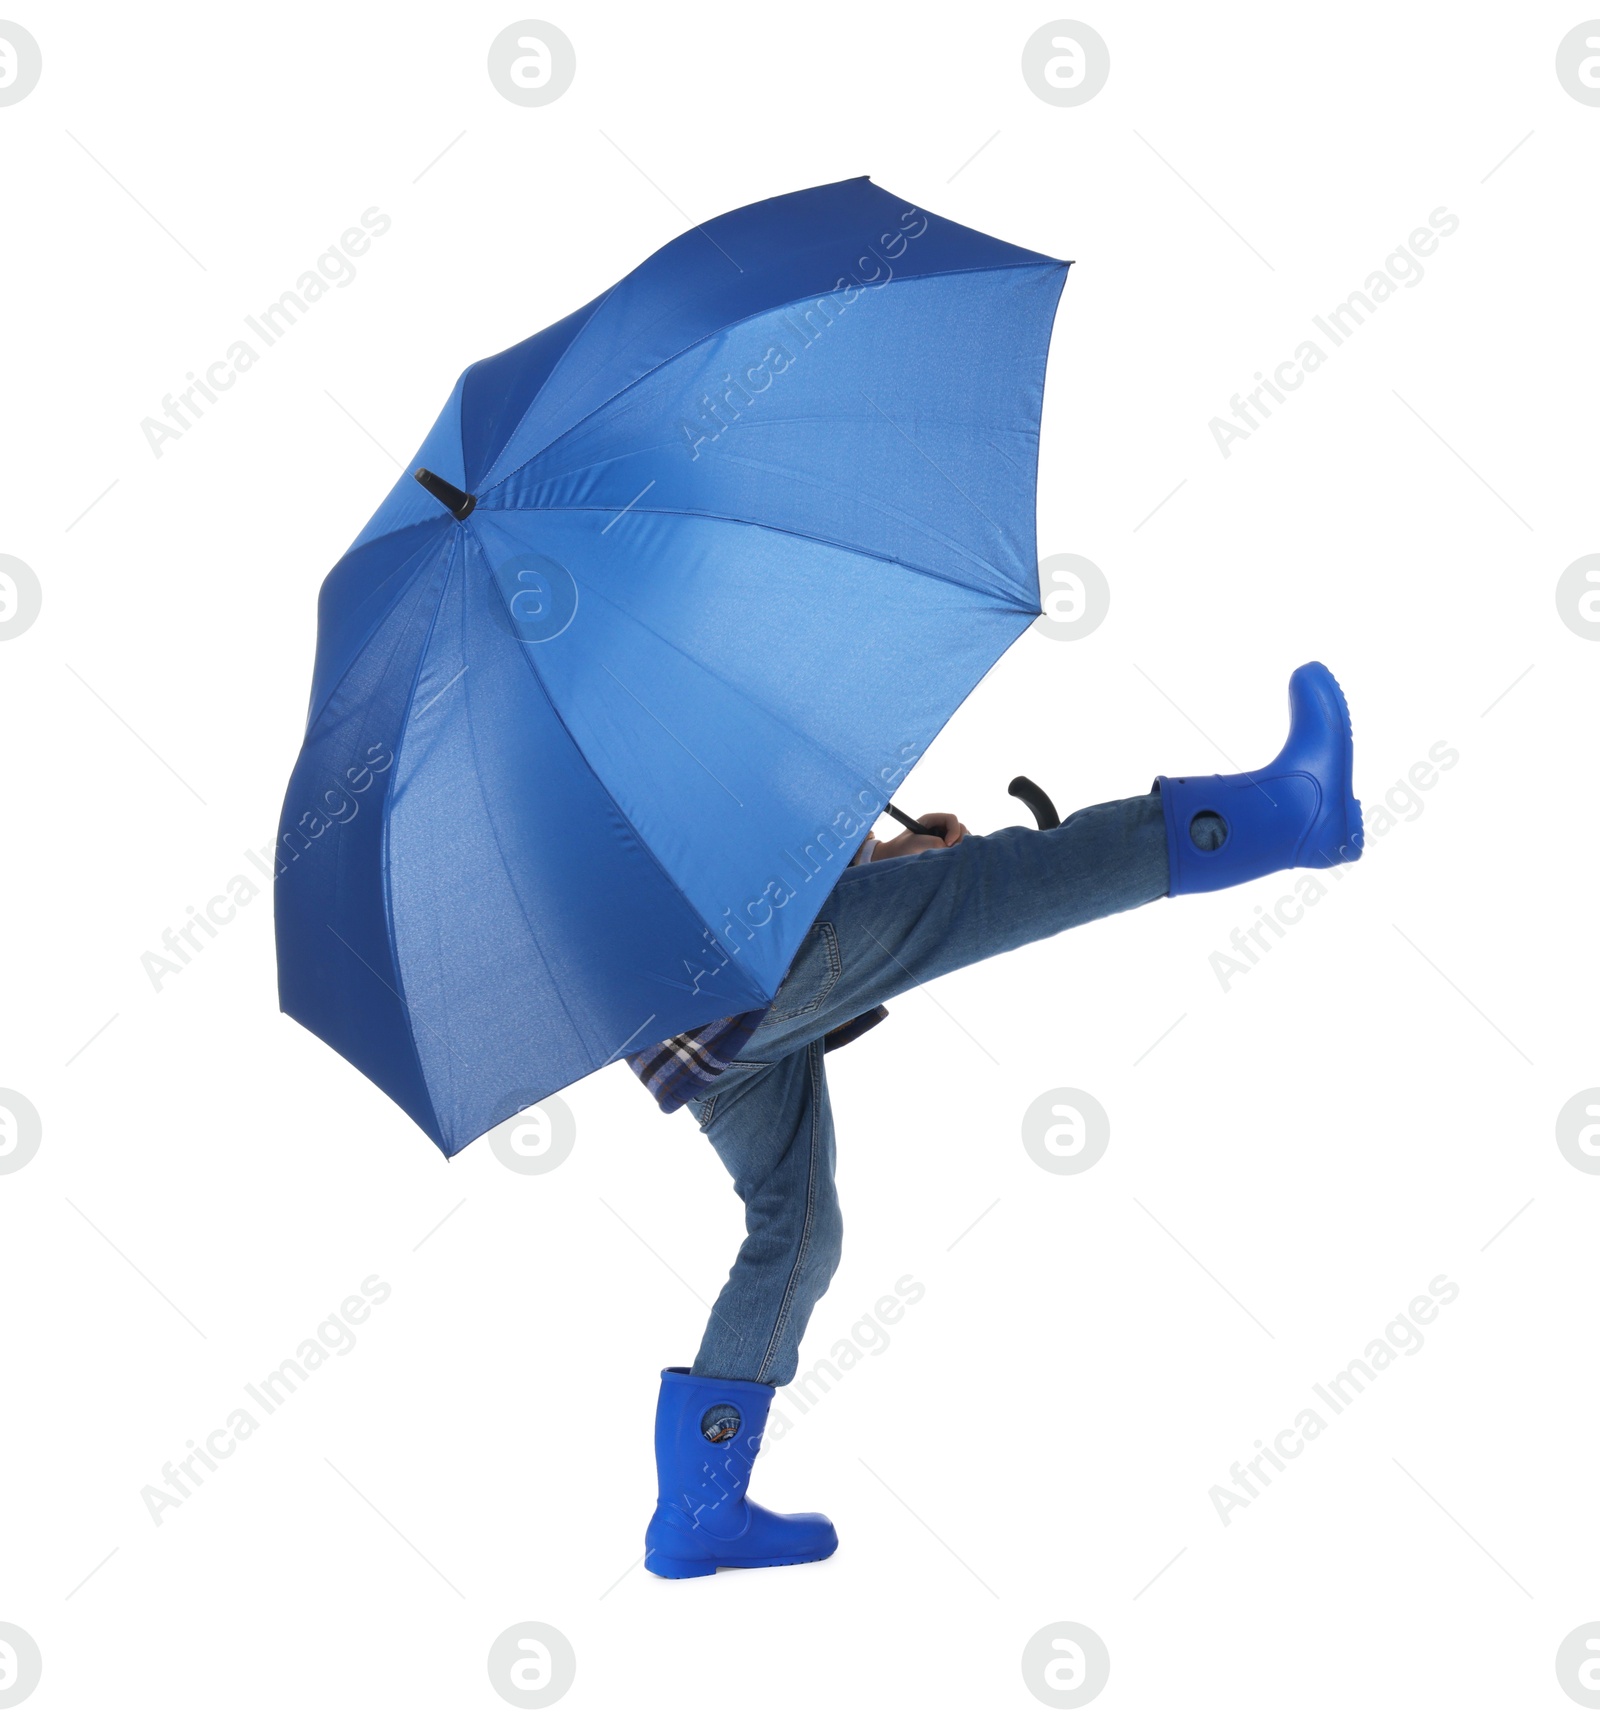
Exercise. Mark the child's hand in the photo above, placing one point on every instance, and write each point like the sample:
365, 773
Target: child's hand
951, 829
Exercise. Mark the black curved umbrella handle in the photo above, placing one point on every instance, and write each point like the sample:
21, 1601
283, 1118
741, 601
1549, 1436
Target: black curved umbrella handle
1036, 800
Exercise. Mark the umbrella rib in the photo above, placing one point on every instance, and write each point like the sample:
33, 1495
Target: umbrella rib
1009, 602
711, 336
891, 512
597, 306
383, 614
886, 509
405, 1003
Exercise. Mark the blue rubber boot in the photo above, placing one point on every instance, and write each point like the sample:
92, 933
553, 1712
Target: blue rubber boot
708, 1430
1301, 810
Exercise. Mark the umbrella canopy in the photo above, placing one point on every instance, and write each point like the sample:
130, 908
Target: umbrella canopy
603, 705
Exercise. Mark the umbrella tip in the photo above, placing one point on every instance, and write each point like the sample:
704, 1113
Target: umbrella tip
459, 504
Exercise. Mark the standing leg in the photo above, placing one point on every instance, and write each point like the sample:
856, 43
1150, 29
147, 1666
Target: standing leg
774, 1133
773, 1130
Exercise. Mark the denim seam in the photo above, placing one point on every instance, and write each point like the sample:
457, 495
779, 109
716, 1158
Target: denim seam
814, 1064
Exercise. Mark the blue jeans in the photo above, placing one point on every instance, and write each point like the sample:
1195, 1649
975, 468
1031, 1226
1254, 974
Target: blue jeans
888, 926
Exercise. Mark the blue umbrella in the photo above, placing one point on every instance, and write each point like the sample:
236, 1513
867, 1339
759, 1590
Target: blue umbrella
609, 689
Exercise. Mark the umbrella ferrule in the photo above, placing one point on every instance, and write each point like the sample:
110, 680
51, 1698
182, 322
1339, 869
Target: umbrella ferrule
459, 504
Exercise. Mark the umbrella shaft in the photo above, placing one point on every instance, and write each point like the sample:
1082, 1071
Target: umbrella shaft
908, 823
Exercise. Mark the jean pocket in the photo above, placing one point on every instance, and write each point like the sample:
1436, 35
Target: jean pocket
812, 975
739, 1069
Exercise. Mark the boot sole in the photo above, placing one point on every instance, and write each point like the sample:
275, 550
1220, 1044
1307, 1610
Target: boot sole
685, 1569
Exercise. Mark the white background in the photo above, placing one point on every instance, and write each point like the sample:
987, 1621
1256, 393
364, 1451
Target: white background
1299, 1156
